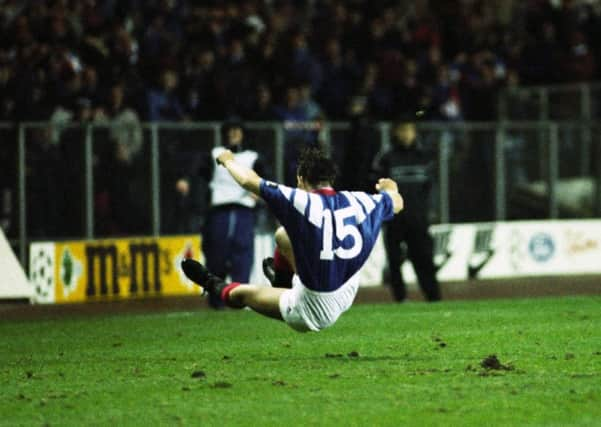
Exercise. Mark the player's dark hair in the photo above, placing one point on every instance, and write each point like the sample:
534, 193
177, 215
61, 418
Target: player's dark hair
315, 167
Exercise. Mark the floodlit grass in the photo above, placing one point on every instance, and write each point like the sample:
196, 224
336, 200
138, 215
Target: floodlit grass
413, 364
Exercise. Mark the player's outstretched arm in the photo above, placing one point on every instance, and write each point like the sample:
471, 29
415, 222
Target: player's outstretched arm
390, 187
244, 176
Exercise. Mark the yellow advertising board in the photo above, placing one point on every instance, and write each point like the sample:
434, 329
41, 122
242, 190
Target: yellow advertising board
111, 269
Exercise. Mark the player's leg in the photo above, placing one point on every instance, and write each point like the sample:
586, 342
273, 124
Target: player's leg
285, 246
280, 269
261, 299
300, 309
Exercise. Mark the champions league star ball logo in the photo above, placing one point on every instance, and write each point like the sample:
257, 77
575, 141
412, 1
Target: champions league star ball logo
541, 247
42, 274
70, 271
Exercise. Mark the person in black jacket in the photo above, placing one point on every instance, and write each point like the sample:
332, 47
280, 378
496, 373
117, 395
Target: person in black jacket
410, 167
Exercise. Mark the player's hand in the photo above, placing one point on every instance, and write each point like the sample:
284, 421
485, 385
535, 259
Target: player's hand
387, 184
392, 189
224, 157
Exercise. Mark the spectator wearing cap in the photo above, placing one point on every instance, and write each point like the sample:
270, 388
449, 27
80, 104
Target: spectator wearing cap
163, 102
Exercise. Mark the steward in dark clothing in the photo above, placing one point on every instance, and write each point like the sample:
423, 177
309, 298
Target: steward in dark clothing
410, 167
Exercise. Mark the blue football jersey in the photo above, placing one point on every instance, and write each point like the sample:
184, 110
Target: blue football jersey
332, 233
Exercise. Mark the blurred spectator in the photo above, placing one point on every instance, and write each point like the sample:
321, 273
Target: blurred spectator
540, 56
201, 77
263, 108
210, 58
481, 85
302, 62
119, 177
296, 61
578, 62
291, 111
339, 75
163, 101
47, 194
380, 98
360, 149
409, 93
311, 108
300, 131
126, 131
90, 87
446, 100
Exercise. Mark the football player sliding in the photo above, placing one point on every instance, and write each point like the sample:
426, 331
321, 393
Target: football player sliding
325, 238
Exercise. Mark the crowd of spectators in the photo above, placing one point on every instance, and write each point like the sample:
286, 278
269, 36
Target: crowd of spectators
296, 61
276, 59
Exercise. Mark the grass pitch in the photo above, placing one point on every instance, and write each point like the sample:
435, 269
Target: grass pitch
503, 362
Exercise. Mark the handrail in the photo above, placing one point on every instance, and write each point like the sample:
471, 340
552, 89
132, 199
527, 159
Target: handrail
549, 133
334, 125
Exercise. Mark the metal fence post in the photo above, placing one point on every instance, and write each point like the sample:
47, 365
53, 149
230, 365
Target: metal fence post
89, 183
502, 105
21, 182
553, 170
586, 137
598, 177
279, 152
443, 179
327, 142
500, 190
543, 116
155, 180
217, 136
384, 136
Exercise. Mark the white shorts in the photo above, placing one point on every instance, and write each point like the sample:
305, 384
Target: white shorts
307, 310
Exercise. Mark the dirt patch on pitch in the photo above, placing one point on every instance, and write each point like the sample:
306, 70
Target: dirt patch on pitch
492, 362
490, 366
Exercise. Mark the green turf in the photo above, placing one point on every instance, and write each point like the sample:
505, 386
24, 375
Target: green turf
413, 364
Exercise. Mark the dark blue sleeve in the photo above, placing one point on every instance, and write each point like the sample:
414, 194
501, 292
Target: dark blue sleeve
385, 207
279, 199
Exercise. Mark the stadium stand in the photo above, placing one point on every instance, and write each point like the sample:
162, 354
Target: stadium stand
132, 61
207, 60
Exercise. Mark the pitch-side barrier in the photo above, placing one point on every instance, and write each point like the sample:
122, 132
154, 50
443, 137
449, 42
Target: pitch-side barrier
114, 269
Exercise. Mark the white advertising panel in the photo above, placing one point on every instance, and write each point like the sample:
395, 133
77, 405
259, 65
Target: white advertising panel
544, 248
511, 249
13, 282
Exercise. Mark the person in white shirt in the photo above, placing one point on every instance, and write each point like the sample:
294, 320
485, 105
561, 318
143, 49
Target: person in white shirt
228, 232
